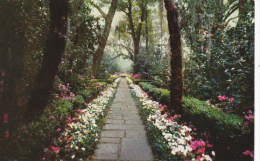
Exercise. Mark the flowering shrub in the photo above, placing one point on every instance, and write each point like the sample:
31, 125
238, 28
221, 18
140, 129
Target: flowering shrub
174, 138
81, 133
225, 103
233, 136
136, 76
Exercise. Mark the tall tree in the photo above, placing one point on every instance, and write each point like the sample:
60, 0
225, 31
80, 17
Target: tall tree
97, 57
176, 82
55, 46
136, 33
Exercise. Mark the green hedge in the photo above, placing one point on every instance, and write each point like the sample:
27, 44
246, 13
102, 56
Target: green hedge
158, 94
226, 130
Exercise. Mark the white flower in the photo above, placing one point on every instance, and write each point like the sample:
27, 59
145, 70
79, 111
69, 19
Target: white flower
83, 149
213, 153
207, 157
73, 156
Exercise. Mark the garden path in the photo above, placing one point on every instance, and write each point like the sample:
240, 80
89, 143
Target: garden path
123, 136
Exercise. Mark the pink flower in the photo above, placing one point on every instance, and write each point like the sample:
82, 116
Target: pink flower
193, 146
231, 99
171, 118
201, 151
248, 152
58, 129
52, 117
55, 149
246, 123
222, 98
209, 145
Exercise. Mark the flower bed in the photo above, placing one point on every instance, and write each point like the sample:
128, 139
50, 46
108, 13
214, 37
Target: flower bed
78, 140
169, 140
230, 133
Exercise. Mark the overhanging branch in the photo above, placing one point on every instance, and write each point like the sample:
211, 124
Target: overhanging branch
99, 9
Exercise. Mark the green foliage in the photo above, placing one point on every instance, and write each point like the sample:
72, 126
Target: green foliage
220, 58
224, 130
154, 66
158, 94
108, 66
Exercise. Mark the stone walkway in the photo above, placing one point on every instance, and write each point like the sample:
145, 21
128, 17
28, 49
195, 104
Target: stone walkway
123, 136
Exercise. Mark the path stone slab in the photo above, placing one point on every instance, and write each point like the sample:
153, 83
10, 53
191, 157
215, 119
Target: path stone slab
110, 140
129, 112
112, 133
135, 149
114, 117
128, 109
122, 127
136, 134
131, 115
107, 151
133, 122
111, 121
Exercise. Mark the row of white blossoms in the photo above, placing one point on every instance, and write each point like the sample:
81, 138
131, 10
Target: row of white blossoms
177, 136
83, 130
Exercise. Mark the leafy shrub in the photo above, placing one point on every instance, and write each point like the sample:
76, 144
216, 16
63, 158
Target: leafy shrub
79, 102
102, 83
137, 81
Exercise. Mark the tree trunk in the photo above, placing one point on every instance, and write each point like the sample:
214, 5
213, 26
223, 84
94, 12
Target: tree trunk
176, 82
97, 57
136, 35
55, 47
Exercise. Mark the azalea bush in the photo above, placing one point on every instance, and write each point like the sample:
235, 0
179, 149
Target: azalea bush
45, 139
231, 134
169, 140
81, 133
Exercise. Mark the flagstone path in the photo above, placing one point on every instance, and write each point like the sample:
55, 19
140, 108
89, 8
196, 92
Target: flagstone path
123, 136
